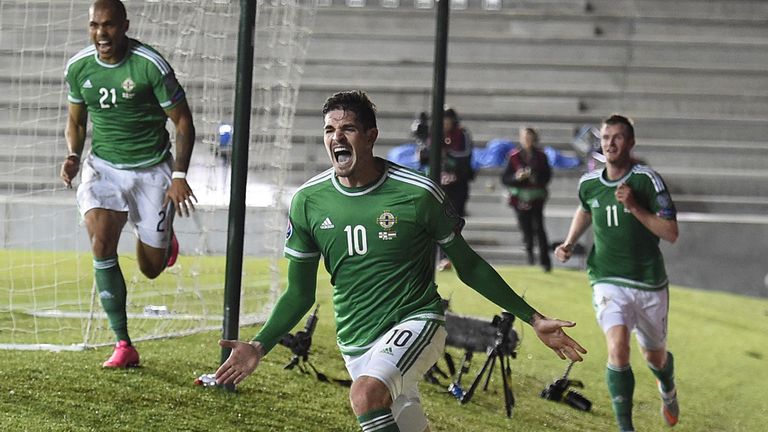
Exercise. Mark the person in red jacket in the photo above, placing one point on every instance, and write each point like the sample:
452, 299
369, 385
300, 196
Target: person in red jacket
526, 176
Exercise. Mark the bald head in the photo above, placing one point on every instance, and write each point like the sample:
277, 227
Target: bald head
116, 6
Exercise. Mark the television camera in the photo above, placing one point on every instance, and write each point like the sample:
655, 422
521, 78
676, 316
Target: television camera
496, 338
558, 392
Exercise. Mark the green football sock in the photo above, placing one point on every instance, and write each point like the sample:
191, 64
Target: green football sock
666, 375
112, 293
621, 386
378, 420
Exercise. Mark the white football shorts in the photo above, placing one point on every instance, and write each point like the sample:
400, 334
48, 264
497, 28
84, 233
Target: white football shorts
399, 359
642, 312
139, 192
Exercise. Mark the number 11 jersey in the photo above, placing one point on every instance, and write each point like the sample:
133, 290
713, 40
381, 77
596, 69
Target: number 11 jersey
625, 252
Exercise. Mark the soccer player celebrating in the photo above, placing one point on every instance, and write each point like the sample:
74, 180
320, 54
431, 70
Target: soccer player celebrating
629, 208
376, 224
129, 90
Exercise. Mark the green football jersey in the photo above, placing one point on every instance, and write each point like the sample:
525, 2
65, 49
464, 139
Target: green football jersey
377, 243
625, 252
126, 103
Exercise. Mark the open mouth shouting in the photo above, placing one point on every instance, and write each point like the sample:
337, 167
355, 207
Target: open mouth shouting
342, 155
342, 158
104, 47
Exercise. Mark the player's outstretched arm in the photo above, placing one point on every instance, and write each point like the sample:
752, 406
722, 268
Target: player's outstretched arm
180, 193
480, 276
292, 305
242, 361
551, 333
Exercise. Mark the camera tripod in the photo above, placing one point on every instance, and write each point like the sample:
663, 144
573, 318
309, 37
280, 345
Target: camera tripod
503, 350
299, 344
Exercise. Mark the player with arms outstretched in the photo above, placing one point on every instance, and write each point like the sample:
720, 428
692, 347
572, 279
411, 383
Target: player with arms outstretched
129, 90
630, 209
376, 224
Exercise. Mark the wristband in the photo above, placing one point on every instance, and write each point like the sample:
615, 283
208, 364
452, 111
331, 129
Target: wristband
74, 155
178, 175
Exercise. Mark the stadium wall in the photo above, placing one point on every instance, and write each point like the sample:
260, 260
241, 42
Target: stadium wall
713, 252
52, 221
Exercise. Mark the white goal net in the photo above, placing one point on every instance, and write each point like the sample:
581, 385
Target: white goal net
46, 291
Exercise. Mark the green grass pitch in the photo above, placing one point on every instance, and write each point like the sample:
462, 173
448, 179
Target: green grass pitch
719, 342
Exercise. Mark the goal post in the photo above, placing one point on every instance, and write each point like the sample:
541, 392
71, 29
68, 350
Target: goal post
46, 290
244, 76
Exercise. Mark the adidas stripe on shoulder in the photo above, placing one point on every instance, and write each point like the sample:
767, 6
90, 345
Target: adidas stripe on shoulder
153, 56
322, 177
658, 183
85, 52
591, 175
399, 173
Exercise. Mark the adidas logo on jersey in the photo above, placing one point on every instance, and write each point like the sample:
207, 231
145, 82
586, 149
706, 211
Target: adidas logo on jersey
87, 84
594, 203
327, 224
387, 350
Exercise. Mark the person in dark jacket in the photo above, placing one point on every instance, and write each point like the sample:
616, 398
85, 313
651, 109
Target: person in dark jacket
456, 168
526, 176
457, 161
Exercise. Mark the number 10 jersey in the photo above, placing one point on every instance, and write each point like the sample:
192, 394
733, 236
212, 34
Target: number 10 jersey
377, 243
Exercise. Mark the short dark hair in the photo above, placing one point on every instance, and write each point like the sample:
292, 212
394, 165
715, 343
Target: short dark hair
451, 113
532, 131
116, 5
616, 119
355, 101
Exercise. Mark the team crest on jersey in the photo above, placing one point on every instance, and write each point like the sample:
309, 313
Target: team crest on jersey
387, 220
128, 85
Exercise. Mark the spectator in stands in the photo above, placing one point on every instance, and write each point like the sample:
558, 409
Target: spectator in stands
527, 175
130, 91
629, 209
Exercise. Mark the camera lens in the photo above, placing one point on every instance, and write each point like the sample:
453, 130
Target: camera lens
576, 400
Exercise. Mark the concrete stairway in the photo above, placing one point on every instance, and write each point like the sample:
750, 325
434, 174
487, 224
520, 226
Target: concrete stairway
691, 73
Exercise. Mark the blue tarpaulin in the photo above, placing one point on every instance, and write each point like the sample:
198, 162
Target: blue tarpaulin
493, 155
